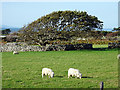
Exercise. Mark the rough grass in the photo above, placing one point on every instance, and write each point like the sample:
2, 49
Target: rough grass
24, 70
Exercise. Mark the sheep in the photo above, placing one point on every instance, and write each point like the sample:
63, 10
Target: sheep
15, 52
118, 56
74, 72
47, 71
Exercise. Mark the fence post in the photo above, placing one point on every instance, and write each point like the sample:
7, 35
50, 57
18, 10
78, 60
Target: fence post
101, 85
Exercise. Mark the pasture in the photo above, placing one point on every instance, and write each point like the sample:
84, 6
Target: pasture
24, 70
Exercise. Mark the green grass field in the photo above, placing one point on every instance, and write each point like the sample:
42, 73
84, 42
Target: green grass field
24, 70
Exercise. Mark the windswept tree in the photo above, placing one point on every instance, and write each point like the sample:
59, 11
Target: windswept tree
116, 29
5, 32
60, 25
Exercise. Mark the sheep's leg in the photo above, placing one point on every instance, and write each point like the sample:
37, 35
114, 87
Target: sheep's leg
68, 76
42, 75
75, 76
72, 76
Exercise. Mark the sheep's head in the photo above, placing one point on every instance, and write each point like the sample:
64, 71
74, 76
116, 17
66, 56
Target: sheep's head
52, 74
79, 75
118, 57
15, 52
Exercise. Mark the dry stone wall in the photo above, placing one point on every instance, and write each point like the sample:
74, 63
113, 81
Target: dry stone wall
9, 47
113, 45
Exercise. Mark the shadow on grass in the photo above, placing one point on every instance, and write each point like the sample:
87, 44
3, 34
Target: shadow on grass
59, 76
86, 77
104, 49
99, 48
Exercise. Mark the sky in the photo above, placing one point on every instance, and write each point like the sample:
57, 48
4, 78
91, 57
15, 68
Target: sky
18, 14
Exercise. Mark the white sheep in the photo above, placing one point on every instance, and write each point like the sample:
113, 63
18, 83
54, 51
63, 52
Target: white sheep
118, 56
47, 71
15, 52
74, 72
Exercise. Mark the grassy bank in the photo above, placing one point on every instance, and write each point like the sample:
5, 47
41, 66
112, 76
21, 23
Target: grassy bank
100, 46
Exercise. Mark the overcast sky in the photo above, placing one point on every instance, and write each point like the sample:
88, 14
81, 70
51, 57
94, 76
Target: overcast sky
17, 14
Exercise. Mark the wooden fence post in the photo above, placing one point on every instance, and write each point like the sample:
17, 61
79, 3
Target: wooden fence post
101, 85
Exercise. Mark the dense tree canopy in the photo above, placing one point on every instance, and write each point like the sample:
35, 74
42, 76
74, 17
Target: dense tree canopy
62, 25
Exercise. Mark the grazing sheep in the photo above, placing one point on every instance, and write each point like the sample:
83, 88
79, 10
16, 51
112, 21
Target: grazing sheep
74, 72
118, 56
15, 52
47, 71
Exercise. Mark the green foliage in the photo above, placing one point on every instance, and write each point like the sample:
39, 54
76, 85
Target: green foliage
60, 25
24, 70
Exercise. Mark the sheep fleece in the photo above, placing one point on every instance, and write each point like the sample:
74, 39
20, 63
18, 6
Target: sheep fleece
47, 71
